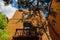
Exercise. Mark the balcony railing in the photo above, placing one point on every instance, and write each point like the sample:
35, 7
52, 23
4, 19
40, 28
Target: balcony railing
25, 34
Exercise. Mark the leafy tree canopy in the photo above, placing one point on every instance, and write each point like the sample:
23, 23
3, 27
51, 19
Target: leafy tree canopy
3, 22
4, 34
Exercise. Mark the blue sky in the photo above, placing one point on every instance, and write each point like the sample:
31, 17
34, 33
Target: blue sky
7, 10
10, 9
14, 4
45, 4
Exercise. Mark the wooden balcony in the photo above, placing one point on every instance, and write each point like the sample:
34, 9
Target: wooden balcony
25, 34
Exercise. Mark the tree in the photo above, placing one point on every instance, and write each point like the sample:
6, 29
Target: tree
3, 22
4, 35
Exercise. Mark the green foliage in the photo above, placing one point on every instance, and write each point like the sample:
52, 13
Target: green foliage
3, 22
4, 35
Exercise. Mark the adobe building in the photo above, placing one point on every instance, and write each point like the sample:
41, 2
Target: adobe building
15, 23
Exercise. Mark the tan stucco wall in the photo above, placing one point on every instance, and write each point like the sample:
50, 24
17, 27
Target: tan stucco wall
13, 24
56, 5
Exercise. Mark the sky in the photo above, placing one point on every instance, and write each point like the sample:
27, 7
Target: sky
45, 4
10, 9
7, 10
